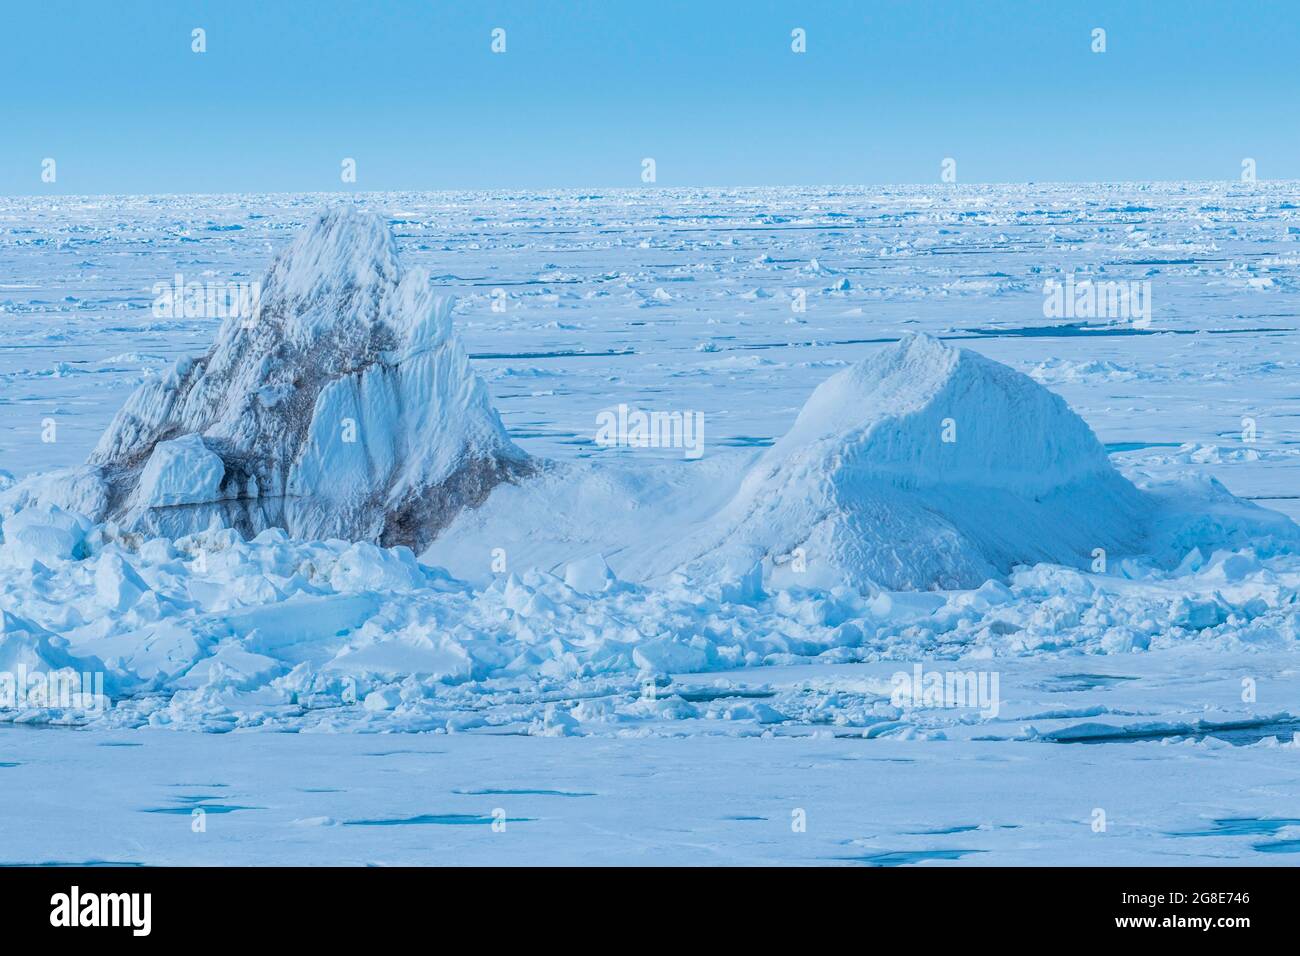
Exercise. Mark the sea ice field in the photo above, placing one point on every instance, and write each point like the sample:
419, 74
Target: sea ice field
943, 573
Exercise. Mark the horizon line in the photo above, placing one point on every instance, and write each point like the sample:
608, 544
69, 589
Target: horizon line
649, 188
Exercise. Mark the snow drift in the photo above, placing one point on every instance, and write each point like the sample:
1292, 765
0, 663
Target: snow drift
926, 466
343, 407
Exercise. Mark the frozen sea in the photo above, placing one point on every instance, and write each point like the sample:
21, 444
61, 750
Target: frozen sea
1144, 718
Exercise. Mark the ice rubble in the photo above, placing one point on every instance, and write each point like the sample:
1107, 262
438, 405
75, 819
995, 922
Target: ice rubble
343, 407
214, 632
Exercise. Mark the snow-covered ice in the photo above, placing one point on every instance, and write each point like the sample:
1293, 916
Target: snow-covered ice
920, 469
339, 403
928, 466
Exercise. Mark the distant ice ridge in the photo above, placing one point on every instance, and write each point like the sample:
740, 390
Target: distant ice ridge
343, 407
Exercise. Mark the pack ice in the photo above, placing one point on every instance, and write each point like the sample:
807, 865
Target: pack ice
237, 550
342, 407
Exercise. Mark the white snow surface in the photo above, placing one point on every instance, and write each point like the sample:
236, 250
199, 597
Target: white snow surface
615, 647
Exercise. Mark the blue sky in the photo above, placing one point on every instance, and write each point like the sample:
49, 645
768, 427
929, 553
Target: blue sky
586, 90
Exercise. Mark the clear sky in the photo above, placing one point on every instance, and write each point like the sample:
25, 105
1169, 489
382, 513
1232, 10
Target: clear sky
585, 90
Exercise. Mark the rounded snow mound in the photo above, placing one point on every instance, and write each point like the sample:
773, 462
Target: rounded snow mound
343, 406
925, 466
924, 414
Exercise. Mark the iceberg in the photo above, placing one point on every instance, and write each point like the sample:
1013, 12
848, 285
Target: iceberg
342, 407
